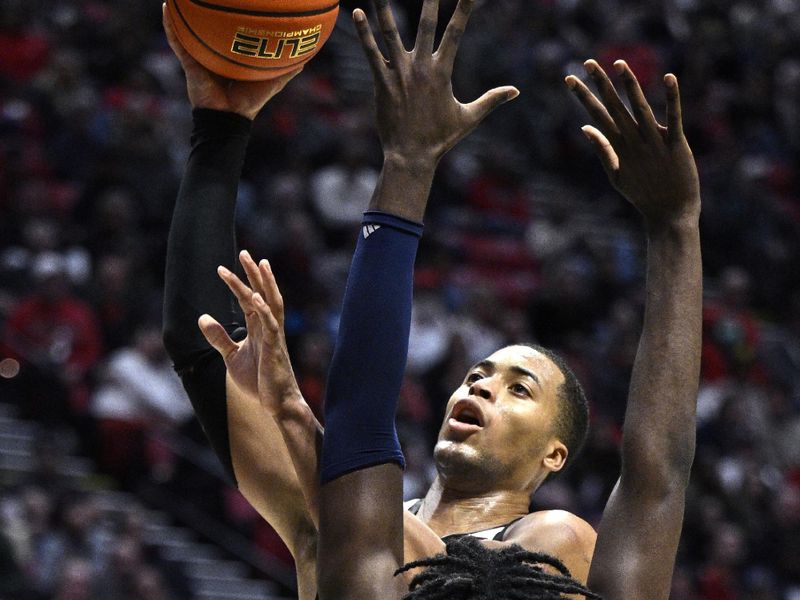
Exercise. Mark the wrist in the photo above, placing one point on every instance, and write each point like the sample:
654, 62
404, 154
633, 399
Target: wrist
219, 122
686, 227
686, 222
419, 165
290, 406
404, 186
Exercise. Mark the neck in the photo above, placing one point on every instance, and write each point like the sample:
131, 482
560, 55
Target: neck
447, 510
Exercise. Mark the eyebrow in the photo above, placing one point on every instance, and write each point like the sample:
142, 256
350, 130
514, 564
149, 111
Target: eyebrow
492, 367
525, 373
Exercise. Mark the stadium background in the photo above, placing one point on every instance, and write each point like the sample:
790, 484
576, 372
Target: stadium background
107, 488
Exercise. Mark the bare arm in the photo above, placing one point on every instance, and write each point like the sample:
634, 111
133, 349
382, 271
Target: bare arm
653, 167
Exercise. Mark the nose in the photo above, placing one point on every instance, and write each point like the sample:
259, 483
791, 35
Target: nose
481, 388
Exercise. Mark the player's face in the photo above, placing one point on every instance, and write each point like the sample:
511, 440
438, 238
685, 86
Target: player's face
499, 425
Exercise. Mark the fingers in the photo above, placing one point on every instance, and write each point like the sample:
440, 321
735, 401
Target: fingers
426, 32
611, 99
244, 295
480, 108
377, 61
593, 106
252, 271
641, 108
240, 290
674, 113
604, 150
270, 291
216, 335
455, 30
172, 39
265, 314
262, 283
391, 36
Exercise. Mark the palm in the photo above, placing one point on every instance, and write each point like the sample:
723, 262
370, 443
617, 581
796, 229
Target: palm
658, 179
242, 365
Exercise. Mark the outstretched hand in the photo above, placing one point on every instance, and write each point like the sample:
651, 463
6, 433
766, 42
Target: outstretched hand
259, 364
648, 163
419, 119
209, 90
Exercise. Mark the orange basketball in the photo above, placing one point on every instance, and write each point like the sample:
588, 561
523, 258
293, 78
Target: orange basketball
252, 39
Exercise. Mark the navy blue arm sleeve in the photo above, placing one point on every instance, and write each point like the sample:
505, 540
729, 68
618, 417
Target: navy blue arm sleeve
369, 359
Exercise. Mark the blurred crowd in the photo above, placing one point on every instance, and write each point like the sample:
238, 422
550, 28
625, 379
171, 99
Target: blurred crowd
63, 543
525, 241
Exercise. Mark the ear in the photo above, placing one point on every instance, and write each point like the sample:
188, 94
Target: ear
556, 456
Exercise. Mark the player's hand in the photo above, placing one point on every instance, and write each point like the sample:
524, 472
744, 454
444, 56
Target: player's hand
418, 117
259, 364
648, 163
209, 90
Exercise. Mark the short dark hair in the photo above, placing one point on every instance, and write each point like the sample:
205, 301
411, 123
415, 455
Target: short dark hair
572, 423
471, 571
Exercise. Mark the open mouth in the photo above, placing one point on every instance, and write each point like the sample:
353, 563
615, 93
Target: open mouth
466, 414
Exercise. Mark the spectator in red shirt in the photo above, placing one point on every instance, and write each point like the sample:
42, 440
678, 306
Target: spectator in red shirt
56, 338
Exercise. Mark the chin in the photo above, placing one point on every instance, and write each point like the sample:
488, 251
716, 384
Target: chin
457, 461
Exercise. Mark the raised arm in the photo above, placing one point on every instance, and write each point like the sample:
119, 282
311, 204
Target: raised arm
224, 393
653, 167
361, 517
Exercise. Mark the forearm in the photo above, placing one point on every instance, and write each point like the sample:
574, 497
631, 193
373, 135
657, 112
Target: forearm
302, 434
659, 434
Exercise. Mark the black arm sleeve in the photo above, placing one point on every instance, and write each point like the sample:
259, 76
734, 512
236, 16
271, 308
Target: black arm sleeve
201, 237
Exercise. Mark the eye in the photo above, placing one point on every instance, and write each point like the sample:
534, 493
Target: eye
473, 377
519, 390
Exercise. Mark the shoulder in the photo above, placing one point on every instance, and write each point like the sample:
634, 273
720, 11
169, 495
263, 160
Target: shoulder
558, 533
553, 521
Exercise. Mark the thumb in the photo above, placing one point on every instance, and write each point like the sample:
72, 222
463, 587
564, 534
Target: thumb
604, 150
484, 105
216, 335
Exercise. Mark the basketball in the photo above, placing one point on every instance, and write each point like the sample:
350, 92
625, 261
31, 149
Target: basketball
252, 40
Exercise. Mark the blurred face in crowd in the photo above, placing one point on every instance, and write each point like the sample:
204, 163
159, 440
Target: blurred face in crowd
499, 430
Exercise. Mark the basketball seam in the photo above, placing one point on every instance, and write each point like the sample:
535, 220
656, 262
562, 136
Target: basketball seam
228, 58
260, 13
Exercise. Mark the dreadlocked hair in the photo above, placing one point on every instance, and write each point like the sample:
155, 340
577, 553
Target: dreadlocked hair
471, 571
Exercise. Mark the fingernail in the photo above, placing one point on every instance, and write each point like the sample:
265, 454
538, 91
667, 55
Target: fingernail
513, 93
358, 15
570, 81
589, 66
585, 130
222, 270
620, 66
670, 80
